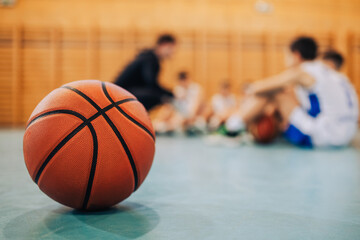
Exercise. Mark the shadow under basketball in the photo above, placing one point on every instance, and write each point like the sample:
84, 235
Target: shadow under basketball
128, 220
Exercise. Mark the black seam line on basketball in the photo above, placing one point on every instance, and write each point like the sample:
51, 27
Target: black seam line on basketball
115, 130
65, 111
84, 96
125, 114
126, 148
93, 166
60, 111
73, 133
57, 148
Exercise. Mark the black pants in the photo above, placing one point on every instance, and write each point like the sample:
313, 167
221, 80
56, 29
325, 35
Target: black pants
151, 97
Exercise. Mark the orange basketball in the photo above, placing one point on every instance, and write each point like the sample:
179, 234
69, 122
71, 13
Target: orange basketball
89, 144
264, 129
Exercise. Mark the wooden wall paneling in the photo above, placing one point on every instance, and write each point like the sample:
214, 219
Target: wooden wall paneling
17, 74
235, 61
55, 74
269, 43
276, 45
279, 44
267, 50
36, 60
217, 61
354, 60
117, 49
93, 53
129, 49
229, 54
186, 54
265, 53
350, 56
316, 14
325, 41
253, 57
111, 54
193, 56
233, 71
74, 60
8, 99
17, 93
201, 58
36, 68
145, 38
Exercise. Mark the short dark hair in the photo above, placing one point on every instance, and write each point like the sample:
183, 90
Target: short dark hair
165, 38
182, 75
306, 46
335, 57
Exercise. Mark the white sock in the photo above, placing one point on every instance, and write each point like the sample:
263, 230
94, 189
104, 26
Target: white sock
234, 124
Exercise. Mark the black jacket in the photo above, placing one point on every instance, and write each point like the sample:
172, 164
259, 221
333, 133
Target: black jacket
142, 73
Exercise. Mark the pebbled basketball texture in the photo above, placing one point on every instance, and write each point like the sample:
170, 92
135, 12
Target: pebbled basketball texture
89, 144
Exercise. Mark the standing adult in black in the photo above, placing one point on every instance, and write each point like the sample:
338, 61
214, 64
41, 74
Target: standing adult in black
140, 77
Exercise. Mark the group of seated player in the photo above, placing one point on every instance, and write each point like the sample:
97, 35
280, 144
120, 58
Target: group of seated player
311, 103
189, 111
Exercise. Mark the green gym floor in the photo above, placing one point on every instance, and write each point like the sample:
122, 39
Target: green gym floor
195, 191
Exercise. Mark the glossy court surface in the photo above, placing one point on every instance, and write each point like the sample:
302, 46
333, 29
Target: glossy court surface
195, 191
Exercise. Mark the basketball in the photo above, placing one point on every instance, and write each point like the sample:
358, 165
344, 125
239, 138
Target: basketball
264, 129
89, 144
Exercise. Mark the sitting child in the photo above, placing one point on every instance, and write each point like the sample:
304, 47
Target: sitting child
185, 112
222, 104
318, 106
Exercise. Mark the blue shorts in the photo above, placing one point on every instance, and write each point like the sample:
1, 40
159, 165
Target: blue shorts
295, 136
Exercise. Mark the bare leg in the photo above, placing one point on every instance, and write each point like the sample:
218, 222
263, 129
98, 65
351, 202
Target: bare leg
286, 102
163, 118
252, 107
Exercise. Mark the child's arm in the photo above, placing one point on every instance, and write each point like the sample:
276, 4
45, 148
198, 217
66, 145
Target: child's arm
278, 82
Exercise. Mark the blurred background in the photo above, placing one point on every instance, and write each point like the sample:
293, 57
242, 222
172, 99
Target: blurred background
46, 43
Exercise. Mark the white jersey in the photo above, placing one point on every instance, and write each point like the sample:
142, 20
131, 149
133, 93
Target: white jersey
221, 103
332, 104
186, 97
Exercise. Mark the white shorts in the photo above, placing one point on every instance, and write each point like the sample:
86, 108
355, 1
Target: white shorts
320, 131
